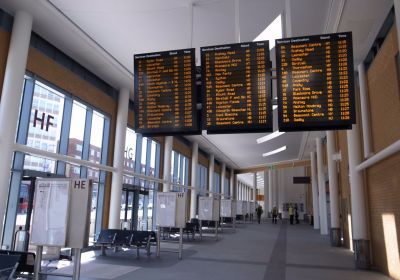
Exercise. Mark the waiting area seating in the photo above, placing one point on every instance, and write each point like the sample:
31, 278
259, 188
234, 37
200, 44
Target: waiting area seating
126, 238
25, 263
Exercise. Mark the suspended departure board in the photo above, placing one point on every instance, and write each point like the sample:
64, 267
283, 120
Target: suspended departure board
236, 88
315, 82
165, 93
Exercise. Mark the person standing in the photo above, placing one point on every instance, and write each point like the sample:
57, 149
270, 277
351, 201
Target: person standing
296, 215
259, 211
291, 214
274, 215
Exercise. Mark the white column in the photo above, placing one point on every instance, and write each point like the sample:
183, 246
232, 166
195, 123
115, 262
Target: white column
231, 184
333, 189
358, 207
267, 204
358, 212
118, 163
397, 17
10, 101
322, 191
193, 192
255, 187
167, 163
365, 110
314, 186
223, 174
211, 174
276, 188
271, 189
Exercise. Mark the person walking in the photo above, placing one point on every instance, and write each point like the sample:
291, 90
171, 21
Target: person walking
259, 211
291, 214
274, 215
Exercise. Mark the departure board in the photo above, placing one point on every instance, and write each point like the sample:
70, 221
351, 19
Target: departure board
236, 88
165, 93
315, 82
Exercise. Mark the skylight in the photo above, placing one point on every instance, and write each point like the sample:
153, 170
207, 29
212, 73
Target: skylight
281, 149
270, 136
272, 32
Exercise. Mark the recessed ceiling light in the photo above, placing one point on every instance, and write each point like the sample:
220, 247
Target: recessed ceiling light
281, 149
269, 137
274, 107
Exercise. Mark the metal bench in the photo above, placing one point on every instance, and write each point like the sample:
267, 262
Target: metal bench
8, 265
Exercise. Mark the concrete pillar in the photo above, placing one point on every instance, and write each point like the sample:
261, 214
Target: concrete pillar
119, 149
314, 186
231, 185
322, 190
267, 204
10, 101
211, 175
222, 181
276, 189
333, 190
167, 163
361, 241
193, 192
254, 198
271, 190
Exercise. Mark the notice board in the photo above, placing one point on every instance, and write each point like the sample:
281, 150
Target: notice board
51, 212
228, 208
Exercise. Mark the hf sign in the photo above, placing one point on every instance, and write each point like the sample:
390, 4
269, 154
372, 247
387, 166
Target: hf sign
43, 120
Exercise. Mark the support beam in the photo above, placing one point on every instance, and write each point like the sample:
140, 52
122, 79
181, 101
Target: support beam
193, 192
314, 185
211, 175
10, 101
322, 190
267, 204
361, 243
119, 149
333, 191
222, 180
167, 163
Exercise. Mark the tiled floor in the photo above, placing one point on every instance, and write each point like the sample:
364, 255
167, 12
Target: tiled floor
253, 252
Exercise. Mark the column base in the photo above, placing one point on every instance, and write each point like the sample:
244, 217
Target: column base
362, 254
335, 237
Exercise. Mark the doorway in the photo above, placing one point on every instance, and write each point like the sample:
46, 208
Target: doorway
134, 207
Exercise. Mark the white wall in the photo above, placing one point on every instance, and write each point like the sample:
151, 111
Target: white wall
289, 192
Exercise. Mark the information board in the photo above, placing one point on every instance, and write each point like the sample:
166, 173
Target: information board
171, 209
228, 208
209, 208
315, 82
236, 88
51, 212
165, 93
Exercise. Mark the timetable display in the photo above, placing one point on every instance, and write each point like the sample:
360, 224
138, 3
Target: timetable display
165, 93
236, 88
315, 82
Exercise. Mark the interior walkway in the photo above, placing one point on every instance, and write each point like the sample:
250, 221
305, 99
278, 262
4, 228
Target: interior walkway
254, 252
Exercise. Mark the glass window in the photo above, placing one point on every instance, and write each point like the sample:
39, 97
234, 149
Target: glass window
217, 180
96, 137
130, 154
179, 170
44, 126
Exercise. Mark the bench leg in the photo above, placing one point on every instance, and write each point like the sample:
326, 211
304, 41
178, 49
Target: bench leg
115, 249
103, 250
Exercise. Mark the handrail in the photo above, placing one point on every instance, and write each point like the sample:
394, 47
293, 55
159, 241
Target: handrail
387, 152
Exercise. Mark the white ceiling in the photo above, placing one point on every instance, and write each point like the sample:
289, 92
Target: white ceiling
104, 35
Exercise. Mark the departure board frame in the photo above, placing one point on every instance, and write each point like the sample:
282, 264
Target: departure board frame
324, 73
257, 73
168, 104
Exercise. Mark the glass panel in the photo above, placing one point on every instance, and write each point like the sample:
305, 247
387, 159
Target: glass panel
44, 126
77, 130
130, 149
93, 211
96, 137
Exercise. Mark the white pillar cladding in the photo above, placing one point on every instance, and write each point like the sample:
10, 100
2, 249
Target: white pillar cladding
322, 189
365, 110
167, 163
333, 190
10, 101
119, 148
231, 185
222, 181
276, 188
397, 16
211, 174
314, 186
271, 189
267, 204
255, 187
358, 206
193, 192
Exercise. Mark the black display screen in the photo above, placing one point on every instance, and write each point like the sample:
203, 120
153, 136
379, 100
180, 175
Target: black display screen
315, 82
165, 93
236, 88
